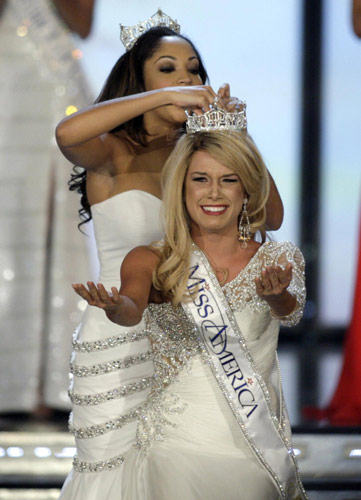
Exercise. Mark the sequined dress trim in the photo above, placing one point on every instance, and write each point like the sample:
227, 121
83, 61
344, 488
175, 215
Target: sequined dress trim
108, 343
103, 465
241, 291
118, 392
109, 366
111, 425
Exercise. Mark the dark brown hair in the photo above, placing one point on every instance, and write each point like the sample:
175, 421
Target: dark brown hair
127, 78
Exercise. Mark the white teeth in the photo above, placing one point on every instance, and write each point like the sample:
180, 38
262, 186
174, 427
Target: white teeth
214, 209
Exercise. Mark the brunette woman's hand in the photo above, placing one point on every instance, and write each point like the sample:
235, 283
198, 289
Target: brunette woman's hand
197, 98
98, 296
228, 102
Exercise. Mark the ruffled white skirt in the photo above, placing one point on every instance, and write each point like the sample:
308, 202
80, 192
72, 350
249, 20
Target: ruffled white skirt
204, 456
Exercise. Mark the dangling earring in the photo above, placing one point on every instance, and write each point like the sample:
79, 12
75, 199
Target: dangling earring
244, 227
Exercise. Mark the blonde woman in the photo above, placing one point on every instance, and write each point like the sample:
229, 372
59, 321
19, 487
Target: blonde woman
214, 424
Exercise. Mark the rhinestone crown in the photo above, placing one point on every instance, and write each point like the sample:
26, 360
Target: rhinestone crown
217, 119
130, 34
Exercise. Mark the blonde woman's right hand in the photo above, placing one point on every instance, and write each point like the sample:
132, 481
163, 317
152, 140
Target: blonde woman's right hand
98, 296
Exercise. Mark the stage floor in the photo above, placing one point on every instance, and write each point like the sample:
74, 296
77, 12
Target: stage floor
36, 455
53, 494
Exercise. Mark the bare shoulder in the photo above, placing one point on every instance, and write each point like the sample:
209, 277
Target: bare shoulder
144, 251
103, 179
122, 143
120, 153
136, 274
141, 259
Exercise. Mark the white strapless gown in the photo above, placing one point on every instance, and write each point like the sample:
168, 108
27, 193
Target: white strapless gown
111, 365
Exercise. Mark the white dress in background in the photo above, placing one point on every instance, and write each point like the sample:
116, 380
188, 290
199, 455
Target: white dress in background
41, 250
182, 442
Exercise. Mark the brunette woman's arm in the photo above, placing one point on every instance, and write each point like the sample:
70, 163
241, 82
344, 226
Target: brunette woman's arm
83, 136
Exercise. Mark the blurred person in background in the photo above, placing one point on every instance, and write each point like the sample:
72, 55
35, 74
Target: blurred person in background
356, 17
40, 251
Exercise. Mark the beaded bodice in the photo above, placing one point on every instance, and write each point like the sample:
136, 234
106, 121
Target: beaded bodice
174, 338
174, 345
241, 291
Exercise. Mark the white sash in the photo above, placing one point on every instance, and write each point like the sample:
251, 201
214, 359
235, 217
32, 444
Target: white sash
225, 350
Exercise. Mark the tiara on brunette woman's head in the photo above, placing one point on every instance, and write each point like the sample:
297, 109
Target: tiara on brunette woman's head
217, 119
130, 34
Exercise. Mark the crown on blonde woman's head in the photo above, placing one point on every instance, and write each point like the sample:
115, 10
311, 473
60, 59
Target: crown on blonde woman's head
130, 34
218, 119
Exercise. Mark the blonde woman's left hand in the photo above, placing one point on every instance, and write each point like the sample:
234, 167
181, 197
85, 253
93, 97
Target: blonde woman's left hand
273, 281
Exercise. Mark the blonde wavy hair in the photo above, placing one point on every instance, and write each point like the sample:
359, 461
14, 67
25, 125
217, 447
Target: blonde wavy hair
234, 150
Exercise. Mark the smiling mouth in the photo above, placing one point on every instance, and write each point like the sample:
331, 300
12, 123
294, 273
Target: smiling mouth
214, 209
